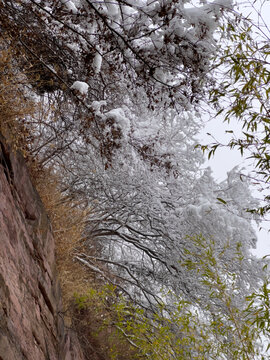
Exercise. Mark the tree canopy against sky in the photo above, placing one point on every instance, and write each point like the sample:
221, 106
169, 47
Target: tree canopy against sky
155, 45
155, 53
243, 93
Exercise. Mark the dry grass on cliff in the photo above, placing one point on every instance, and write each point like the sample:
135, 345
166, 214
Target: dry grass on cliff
15, 106
68, 220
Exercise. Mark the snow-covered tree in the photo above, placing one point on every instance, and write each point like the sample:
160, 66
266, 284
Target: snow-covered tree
161, 46
118, 81
146, 204
83, 52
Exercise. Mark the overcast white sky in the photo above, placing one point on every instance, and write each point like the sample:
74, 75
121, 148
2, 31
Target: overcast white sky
226, 159
223, 161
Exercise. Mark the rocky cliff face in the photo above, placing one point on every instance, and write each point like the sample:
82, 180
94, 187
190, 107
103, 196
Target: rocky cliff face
31, 326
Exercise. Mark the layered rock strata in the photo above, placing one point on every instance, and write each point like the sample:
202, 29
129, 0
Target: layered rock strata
31, 325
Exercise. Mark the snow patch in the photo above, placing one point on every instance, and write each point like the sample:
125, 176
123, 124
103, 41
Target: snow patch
113, 9
119, 116
73, 46
96, 105
97, 62
69, 4
81, 87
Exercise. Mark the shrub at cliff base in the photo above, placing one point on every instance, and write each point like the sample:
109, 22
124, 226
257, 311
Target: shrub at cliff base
179, 329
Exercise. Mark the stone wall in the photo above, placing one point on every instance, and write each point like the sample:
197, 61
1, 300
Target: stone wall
31, 325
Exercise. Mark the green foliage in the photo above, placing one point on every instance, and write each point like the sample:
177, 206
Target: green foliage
243, 95
258, 311
234, 337
222, 328
155, 337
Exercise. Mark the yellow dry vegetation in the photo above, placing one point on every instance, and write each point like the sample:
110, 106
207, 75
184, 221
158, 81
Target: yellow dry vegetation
68, 220
15, 106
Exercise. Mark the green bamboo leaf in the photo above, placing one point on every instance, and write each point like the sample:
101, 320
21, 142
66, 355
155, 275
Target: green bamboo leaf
221, 200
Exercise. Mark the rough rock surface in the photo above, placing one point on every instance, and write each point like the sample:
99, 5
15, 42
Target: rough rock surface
31, 326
